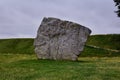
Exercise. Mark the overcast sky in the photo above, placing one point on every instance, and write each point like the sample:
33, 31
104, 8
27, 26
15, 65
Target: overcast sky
21, 18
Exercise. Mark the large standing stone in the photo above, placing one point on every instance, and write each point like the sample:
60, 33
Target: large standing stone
60, 40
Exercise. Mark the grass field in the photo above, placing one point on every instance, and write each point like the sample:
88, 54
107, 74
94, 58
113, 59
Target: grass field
100, 60
110, 41
27, 67
25, 46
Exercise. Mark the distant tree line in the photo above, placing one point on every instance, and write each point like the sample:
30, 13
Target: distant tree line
117, 4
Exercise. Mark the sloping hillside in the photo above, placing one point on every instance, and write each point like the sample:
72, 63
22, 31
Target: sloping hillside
20, 46
97, 45
110, 41
102, 45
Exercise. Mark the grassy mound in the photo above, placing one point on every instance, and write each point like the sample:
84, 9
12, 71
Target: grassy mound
21, 46
97, 45
110, 41
102, 45
98, 52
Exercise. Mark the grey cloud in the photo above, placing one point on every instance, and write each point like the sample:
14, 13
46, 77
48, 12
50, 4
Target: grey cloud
21, 18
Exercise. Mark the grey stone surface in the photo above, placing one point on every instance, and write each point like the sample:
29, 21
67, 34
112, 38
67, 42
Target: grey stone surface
60, 40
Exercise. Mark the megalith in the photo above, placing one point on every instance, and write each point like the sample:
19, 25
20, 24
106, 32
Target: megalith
60, 40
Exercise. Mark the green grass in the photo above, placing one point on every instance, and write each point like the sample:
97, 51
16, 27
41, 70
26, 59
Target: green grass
111, 41
21, 46
19, 62
27, 67
25, 46
98, 52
